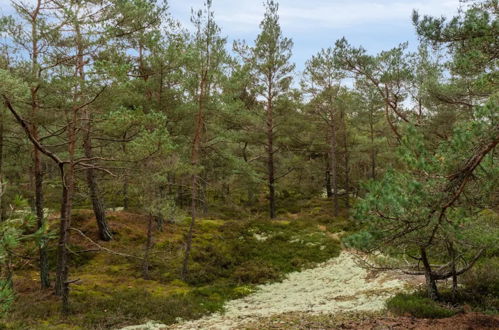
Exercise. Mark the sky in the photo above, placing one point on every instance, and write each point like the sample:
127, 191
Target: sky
315, 24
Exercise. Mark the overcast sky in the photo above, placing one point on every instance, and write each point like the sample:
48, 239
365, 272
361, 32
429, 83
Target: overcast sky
316, 24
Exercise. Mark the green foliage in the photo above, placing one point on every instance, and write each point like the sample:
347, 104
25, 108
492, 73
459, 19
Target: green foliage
257, 251
6, 296
12, 87
418, 306
255, 272
12, 234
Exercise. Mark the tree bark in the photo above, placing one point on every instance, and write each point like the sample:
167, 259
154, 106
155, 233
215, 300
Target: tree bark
329, 189
190, 233
431, 284
270, 154
125, 180
333, 167
62, 252
373, 149
2, 209
195, 156
145, 265
98, 207
40, 219
37, 162
346, 164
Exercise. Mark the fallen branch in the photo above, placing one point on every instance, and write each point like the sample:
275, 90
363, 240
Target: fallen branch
102, 248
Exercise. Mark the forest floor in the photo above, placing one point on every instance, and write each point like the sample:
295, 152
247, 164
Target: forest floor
339, 285
337, 294
252, 273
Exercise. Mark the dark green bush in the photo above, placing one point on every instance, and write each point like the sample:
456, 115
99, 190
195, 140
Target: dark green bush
483, 278
418, 306
481, 285
255, 272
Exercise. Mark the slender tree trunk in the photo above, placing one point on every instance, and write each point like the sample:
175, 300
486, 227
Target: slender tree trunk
145, 265
125, 178
202, 189
195, 155
333, 167
126, 205
373, 149
190, 233
61, 287
452, 254
37, 162
270, 155
68, 184
98, 207
2, 210
431, 284
40, 217
327, 177
347, 164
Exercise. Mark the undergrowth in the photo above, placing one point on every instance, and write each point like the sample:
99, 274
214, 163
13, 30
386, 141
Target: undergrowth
417, 305
229, 258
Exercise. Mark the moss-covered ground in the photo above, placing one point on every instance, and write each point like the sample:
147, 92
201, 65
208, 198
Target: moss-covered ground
229, 258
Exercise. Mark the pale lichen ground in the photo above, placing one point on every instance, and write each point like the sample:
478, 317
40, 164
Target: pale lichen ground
336, 286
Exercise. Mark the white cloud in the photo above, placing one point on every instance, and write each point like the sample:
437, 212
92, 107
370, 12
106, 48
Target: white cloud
245, 15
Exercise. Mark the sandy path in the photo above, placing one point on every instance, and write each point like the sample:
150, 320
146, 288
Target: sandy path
338, 285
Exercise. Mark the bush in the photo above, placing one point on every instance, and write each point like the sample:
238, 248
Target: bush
481, 285
483, 279
418, 306
255, 272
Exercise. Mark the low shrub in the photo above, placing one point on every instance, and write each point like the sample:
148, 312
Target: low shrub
483, 278
481, 285
255, 272
418, 306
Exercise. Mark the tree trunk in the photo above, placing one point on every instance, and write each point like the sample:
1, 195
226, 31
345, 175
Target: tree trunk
40, 218
37, 162
145, 265
431, 284
126, 205
2, 209
61, 287
452, 254
347, 170
270, 156
190, 233
98, 207
125, 178
333, 167
373, 149
99, 211
195, 155
329, 189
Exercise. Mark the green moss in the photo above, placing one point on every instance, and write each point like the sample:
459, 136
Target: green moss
227, 260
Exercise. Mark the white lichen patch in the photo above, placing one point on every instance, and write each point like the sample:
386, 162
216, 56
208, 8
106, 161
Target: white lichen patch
336, 286
260, 237
147, 326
